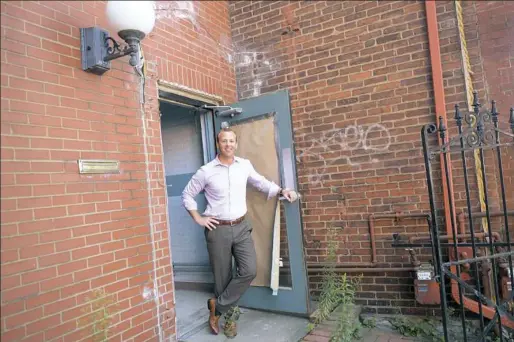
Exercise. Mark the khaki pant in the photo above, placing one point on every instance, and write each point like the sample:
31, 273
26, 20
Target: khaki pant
223, 243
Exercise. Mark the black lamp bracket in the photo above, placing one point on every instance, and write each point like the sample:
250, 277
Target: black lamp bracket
98, 48
114, 50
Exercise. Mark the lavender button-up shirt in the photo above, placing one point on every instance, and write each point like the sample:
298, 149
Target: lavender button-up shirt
225, 188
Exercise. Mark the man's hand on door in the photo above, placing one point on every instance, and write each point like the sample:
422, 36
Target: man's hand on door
290, 195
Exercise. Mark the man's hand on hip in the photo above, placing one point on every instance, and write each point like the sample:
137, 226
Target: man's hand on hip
207, 222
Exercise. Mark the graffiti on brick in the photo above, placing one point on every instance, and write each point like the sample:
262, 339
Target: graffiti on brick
185, 10
346, 140
254, 66
176, 9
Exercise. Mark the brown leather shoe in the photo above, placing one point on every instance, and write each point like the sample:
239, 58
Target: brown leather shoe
213, 319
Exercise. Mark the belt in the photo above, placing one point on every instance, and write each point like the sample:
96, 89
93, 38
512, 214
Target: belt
231, 223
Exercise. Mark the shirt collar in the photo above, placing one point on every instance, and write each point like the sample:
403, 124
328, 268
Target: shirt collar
218, 162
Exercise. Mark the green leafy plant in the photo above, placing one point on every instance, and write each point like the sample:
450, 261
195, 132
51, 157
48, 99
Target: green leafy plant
101, 315
425, 328
310, 327
369, 322
337, 291
430, 328
507, 336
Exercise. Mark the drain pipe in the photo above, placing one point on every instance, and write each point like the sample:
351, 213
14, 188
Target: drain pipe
440, 108
440, 104
441, 118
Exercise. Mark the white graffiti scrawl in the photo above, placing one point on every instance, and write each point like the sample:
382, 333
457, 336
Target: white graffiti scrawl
341, 143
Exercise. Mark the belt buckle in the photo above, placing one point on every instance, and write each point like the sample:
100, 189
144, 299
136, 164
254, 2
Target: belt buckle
232, 223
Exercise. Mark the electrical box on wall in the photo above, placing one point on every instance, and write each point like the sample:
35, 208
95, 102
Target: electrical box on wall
94, 48
426, 287
427, 291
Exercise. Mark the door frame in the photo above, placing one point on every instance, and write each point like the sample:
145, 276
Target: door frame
179, 95
183, 96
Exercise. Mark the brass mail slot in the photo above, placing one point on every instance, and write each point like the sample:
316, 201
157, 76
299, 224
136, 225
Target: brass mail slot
99, 166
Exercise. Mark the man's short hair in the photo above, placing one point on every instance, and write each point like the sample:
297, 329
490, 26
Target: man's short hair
223, 130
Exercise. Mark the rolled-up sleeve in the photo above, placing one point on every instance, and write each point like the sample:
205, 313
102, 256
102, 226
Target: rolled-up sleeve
261, 183
193, 188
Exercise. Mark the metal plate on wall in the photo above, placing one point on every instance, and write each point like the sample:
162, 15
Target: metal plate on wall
99, 166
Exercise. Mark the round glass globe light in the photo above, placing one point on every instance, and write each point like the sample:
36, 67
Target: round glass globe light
131, 15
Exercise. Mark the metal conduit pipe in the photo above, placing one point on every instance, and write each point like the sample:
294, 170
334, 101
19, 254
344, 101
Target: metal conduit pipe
461, 220
492, 214
374, 267
363, 269
397, 216
496, 236
372, 239
486, 266
440, 106
462, 231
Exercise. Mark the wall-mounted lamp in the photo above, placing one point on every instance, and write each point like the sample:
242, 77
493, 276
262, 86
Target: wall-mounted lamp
133, 20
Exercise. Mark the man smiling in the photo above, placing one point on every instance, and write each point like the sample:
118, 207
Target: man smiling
227, 231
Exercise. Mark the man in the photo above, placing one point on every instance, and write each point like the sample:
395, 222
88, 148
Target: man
227, 232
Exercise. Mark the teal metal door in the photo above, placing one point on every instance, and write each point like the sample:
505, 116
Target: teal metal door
293, 298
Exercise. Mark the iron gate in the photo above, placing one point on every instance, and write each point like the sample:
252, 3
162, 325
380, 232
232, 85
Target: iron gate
474, 264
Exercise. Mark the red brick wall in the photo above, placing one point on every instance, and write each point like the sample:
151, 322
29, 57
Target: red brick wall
361, 88
63, 234
496, 34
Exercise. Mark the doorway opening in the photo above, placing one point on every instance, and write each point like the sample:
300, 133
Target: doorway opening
188, 140
186, 133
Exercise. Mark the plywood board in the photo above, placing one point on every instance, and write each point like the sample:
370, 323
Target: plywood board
256, 142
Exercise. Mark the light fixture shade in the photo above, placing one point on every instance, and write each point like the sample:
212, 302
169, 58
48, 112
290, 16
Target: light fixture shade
131, 15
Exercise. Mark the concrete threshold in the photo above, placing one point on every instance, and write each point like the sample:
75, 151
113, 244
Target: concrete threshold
254, 325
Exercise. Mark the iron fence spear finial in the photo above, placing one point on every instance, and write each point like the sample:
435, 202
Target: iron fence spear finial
458, 116
442, 129
476, 104
494, 112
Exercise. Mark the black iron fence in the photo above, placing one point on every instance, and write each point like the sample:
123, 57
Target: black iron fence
475, 263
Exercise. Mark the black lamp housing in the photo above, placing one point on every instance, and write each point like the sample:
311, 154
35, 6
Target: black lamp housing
98, 48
